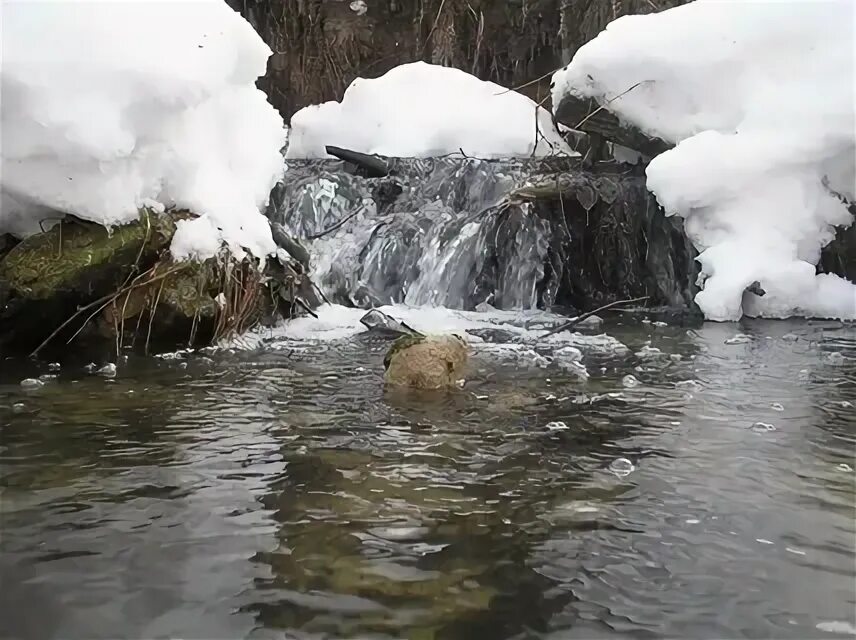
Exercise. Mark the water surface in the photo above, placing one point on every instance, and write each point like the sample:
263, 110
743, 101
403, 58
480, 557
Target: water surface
279, 491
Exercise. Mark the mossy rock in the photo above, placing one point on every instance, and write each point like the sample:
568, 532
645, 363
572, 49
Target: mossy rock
426, 362
76, 256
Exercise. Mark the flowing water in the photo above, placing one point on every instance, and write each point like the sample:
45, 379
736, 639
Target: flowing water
668, 482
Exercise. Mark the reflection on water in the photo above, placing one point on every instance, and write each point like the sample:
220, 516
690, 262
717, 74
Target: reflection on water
247, 494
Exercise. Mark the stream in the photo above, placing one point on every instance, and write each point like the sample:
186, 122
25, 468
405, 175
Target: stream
650, 481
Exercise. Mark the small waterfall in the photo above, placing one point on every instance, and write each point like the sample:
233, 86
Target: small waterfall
437, 232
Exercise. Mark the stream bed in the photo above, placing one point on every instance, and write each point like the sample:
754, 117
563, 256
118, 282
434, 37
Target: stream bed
674, 482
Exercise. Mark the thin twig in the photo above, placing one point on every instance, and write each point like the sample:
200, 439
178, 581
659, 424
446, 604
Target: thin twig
318, 289
572, 323
100, 301
527, 84
610, 101
433, 26
335, 226
306, 307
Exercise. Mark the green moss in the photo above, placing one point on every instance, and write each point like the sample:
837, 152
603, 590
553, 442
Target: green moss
70, 256
187, 292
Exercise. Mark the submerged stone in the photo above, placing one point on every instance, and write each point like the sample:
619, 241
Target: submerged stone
426, 362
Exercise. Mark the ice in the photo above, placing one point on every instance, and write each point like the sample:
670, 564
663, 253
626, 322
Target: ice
31, 383
112, 106
759, 98
777, 406
423, 110
837, 626
558, 425
108, 370
740, 338
647, 352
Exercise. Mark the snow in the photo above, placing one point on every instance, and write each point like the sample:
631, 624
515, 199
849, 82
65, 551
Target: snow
112, 106
423, 110
759, 99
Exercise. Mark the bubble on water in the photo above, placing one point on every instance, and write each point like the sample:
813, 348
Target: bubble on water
845, 404
740, 338
47, 376
797, 552
19, 407
835, 358
764, 541
790, 337
776, 406
763, 427
182, 365
692, 385
660, 323
90, 367
360, 369
803, 375
557, 425
622, 467
630, 381
31, 383
108, 370
837, 626
846, 468
676, 357
54, 366
692, 521
549, 397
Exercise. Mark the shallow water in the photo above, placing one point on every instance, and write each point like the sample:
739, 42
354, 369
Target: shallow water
280, 491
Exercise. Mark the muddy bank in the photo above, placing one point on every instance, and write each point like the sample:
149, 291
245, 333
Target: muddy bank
320, 46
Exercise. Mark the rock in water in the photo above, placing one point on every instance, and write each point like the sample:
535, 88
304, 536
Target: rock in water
426, 362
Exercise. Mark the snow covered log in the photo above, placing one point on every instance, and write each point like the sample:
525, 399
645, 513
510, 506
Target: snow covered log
758, 100
420, 110
585, 114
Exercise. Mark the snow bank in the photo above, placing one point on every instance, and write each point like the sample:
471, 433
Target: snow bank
422, 110
759, 97
110, 106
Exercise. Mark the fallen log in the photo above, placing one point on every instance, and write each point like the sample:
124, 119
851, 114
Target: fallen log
374, 166
585, 114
